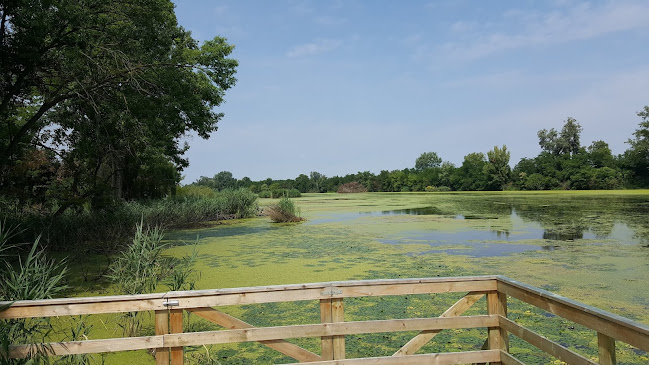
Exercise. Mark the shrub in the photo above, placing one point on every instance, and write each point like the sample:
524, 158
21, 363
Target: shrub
284, 211
285, 193
437, 188
352, 187
32, 276
265, 194
241, 203
195, 190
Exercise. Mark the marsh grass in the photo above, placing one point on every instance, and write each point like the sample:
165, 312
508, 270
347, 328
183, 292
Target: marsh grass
28, 277
106, 231
140, 268
284, 211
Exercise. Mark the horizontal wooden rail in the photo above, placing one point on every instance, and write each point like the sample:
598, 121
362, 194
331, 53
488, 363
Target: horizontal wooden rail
617, 327
170, 340
444, 358
259, 334
252, 295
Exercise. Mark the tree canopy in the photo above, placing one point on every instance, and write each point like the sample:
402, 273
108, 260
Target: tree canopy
427, 160
97, 94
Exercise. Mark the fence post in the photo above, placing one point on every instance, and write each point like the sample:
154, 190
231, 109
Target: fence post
337, 315
176, 326
332, 347
498, 337
606, 347
326, 342
161, 328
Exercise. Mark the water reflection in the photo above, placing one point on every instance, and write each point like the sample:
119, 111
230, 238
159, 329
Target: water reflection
562, 221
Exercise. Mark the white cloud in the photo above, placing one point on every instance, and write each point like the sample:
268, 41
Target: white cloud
577, 22
314, 48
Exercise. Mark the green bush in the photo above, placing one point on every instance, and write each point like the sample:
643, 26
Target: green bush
195, 190
265, 194
284, 211
287, 193
437, 188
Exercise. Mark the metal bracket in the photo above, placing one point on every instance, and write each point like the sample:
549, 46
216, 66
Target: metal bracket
331, 292
171, 303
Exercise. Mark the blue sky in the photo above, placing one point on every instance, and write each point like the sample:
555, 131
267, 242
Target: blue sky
345, 86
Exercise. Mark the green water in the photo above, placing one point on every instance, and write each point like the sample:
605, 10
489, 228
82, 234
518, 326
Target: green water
591, 247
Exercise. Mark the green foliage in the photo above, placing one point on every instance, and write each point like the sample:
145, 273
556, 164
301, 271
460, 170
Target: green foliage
561, 143
289, 193
284, 211
317, 180
34, 276
137, 269
141, 267
498, 170
114, 226
437, 188
427, 160
96, 96
636, 158
265, 194
195, 191
600, 155
181, 274
240, 203
471, 175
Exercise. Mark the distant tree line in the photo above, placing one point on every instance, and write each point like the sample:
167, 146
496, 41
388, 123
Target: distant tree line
563, 163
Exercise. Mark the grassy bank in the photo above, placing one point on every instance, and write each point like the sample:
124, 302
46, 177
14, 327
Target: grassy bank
111, 227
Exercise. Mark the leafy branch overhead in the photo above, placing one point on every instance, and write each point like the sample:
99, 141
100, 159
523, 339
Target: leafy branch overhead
105, 89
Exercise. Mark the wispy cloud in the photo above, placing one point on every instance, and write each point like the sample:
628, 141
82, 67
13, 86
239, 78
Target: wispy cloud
328, 20
314, 48
576, 22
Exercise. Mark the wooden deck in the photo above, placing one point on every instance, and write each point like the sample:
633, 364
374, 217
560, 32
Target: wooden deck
170, 339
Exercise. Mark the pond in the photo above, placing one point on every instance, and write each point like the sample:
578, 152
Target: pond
588, 246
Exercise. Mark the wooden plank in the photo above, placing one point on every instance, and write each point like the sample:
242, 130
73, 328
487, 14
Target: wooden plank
508, 359
234, 296
544, 344
91, 346
424, 337
337, 315
327, 329
55, 310
606, 349
447, 358
345, 292
162, 328
176, 326
620, 328
497, 336
230, 322
326, 342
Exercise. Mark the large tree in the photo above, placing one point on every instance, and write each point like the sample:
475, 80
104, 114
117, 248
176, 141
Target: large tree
106, 89
636, 158
566, 142
427, 160
498, 170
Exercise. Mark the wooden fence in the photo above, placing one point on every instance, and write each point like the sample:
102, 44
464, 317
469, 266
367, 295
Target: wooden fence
169, 339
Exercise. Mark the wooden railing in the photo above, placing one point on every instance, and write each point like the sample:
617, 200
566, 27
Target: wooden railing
169, 339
